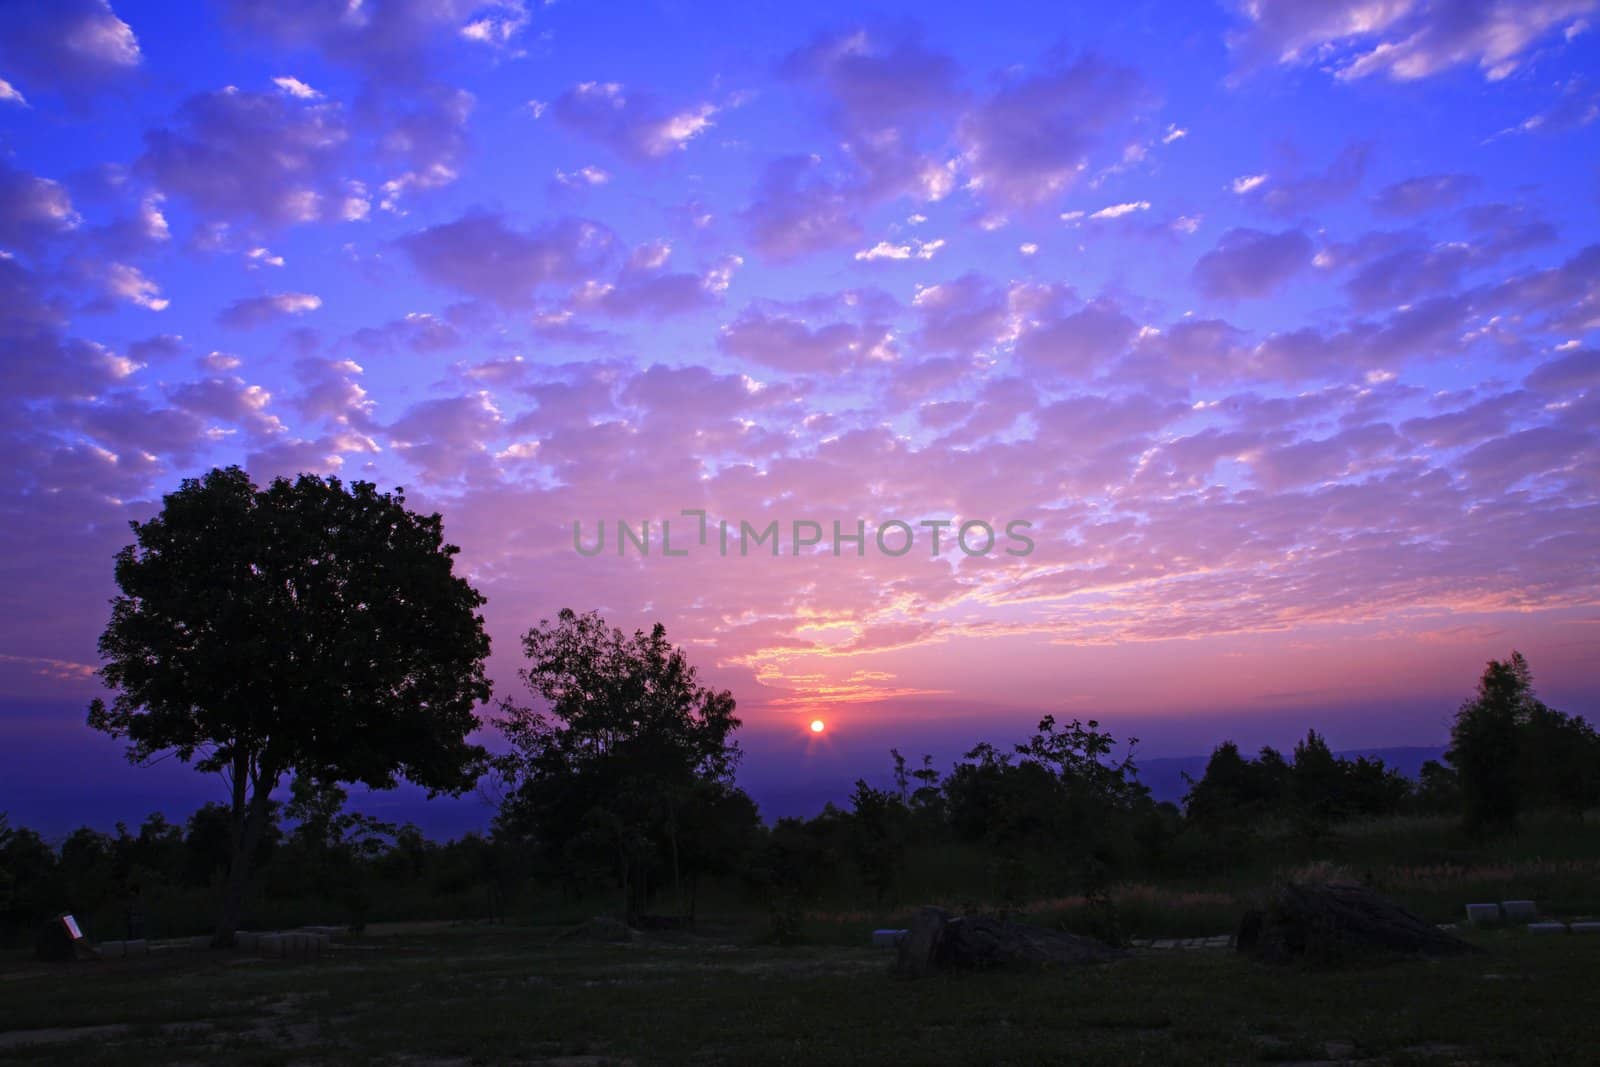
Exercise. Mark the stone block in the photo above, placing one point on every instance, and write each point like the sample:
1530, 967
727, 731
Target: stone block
110, 950
1483, 914
139, 947
1586, 928
1519, 911
1547, 928
886, 938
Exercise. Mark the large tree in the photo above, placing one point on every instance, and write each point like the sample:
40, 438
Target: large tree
304, 629
626, 758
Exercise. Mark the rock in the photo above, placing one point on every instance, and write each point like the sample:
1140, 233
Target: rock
1519, 911
1586, 928
886, 938
1334, 921
914, 955
936, 939
1483, 914
1547, 928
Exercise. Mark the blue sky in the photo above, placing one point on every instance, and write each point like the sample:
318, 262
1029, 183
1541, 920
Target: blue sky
1277, 321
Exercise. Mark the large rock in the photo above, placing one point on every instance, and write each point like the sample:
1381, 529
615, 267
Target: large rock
938, 939
1336, 921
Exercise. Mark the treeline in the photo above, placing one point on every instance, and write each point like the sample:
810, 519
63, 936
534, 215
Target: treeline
623, 793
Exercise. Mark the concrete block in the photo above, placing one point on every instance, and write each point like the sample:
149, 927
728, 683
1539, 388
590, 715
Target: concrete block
141, 947
1547, 928
1586, 928
1519, 911
886, 938
1483, 914
246, 940
270, 945
110, 950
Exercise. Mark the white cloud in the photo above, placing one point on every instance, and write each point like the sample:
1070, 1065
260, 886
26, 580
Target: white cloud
128, 283
1116, 211
913, 249
296, 88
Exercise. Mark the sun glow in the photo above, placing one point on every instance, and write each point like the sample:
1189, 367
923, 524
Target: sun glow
817, 726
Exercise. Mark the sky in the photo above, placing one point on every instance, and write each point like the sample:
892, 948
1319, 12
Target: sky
1270, 327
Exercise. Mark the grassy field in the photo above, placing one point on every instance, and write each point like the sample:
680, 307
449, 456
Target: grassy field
434, 995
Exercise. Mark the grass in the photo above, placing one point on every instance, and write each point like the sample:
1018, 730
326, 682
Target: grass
517, 994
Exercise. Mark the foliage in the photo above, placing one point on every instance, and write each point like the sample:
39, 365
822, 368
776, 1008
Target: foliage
303, 629
1509, 751
628, 774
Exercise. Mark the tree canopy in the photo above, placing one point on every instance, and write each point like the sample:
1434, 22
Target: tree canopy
304, 629
631, 757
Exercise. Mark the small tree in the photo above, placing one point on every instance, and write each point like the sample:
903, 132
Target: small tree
1484, 744
604, 778
303, 629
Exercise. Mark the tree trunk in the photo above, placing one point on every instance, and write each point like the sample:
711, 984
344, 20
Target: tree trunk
244, 847
677, 880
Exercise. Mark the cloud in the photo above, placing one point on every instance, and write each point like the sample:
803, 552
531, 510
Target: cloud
127, 283
417, 331
1029, 141
885, 94
447, 438
480, 254
238, 155
1289, 197
296, 88
636, 125
798, 211
73, 47
1251, 263
1116, 211
253, 311
777, 338
1079, 343
228, 399
1423, 195
1573, 373
912, 249
415, 122
32, 210
1402, 39
394, 41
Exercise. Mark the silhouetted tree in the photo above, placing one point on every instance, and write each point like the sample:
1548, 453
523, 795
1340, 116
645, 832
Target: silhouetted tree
1484, 744
303, 629
1510, 752
630, 738
877, 836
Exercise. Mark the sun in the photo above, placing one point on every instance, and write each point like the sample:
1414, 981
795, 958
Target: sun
817, 726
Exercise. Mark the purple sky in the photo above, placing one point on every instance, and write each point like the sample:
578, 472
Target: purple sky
1275, 320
